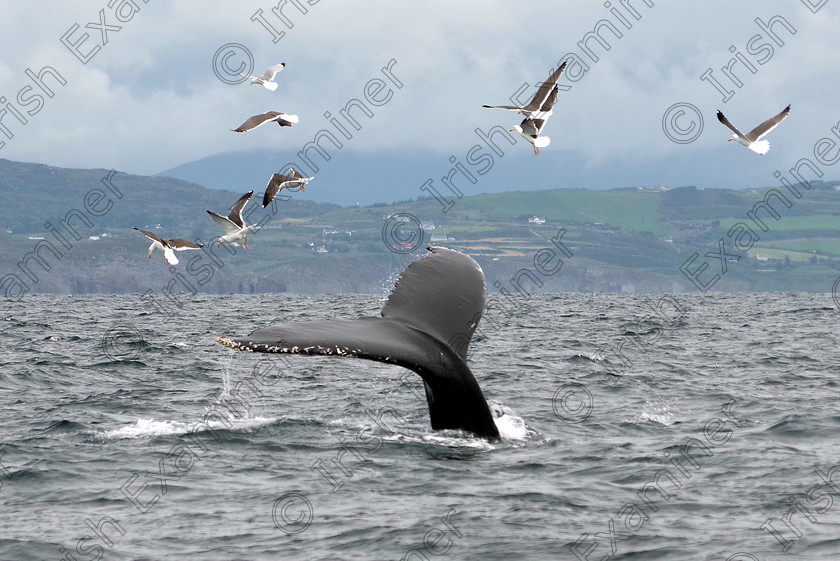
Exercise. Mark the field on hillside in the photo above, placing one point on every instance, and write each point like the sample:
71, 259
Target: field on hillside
622, 239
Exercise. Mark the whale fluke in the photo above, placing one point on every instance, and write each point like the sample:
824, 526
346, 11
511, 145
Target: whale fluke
426, 326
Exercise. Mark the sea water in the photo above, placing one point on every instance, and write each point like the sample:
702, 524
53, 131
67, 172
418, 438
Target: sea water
634, 427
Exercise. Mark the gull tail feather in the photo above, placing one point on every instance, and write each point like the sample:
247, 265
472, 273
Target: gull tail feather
760, 147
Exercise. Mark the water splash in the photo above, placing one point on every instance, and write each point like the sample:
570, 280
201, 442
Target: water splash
150, 427
657, 411
511, 426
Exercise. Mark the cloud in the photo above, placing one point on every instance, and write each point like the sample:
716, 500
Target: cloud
148, 100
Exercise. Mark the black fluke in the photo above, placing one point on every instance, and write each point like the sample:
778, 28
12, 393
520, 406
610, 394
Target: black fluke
426, 326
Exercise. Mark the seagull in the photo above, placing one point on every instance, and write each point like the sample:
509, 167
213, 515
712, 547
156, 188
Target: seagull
167, 246
266, 79
234, 225
282, 119
752, 139
279, 180
530, 128
537, 112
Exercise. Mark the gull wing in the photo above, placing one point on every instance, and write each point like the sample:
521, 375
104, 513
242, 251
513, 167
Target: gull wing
272, 71
722, 118
546, 94
235, 214
257, 120
275, 184
532, 127
768, 125
546, 90
151, 235
224, 222
548, 105
279, 181
180, 244
286, 119
508, 107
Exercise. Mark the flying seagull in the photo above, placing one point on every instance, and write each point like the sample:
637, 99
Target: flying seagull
266, 79
234, 225
752, 139
537, 111
282, 119
279, 181
167, 246
530, 128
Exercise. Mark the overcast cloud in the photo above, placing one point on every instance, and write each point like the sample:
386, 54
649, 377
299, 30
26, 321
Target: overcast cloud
149, 100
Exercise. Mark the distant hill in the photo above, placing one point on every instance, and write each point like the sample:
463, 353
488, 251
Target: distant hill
350, 177
623, 240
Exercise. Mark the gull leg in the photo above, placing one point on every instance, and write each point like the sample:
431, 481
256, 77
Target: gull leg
536, 151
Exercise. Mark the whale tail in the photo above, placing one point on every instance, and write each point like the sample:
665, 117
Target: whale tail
426, 326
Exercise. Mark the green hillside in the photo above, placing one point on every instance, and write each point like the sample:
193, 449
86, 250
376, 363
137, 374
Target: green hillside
622, 240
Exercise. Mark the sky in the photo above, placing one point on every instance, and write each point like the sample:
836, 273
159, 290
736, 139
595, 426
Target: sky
150, 85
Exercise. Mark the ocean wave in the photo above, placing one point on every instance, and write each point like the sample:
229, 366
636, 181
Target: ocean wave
150, 427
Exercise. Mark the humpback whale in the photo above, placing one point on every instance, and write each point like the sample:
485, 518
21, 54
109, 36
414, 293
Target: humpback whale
426, 325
